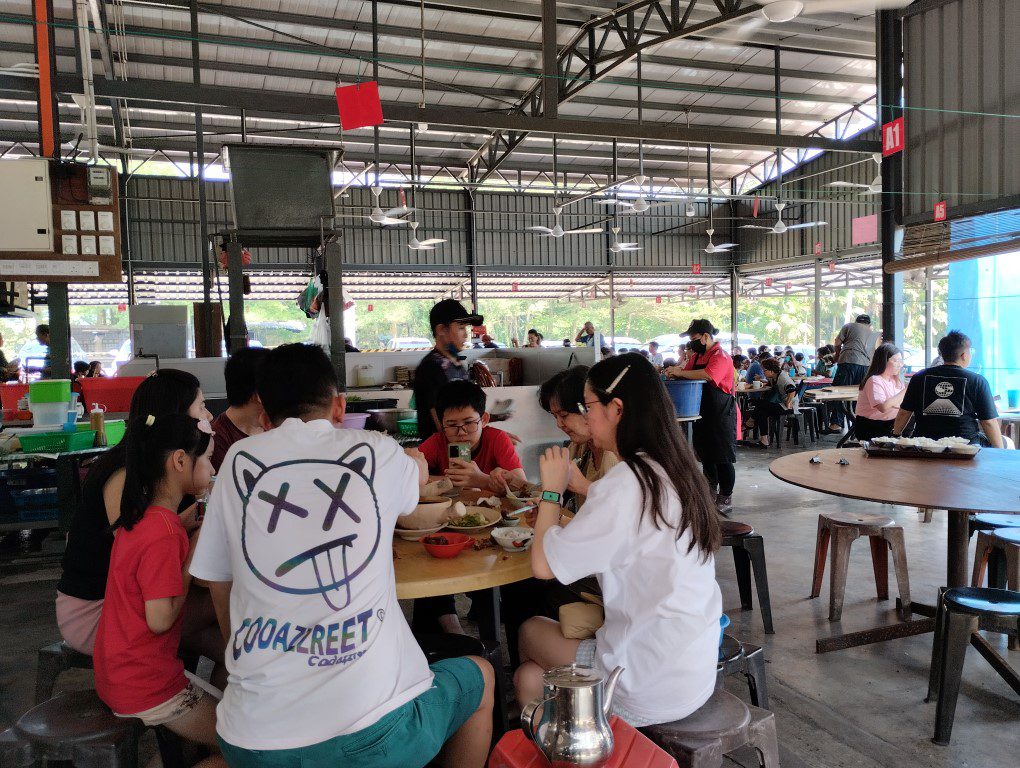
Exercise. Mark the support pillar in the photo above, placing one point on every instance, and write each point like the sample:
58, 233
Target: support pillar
889, 36
203, 215
550, 63
818, 303
734, 291
238, 338
469, 198
929, 294
335, 303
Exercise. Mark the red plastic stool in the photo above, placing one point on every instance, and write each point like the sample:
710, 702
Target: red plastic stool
515, 750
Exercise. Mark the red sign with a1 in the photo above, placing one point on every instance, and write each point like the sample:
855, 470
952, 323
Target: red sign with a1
940, 211
696, 269
894, 137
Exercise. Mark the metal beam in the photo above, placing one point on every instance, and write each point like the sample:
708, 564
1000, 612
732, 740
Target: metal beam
598, 48
889, 33
165, 92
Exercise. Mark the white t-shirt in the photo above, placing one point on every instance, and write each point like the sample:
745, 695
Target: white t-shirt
301, 520
655, 359
662, 602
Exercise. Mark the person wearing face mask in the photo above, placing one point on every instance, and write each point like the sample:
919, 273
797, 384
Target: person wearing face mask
715, 433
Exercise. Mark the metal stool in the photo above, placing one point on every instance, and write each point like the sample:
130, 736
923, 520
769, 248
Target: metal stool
987, 521
747, 660
723, 724
956, 625
1000, 547
749, 555
883, 534
53, 660
15, 752
78, 728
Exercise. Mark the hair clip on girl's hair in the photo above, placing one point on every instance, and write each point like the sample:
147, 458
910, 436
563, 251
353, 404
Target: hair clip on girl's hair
150, 420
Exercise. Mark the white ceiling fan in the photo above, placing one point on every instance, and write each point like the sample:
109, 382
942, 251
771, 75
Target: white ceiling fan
393, 215
713, 248
559, 231
781, 226
617, 247
779, 11
422, 245
874, 188
640, 205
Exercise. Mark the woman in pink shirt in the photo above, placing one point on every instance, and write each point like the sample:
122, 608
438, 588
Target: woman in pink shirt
881, 394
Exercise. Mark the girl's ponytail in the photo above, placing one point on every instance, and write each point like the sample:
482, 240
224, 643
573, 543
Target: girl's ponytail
148, 441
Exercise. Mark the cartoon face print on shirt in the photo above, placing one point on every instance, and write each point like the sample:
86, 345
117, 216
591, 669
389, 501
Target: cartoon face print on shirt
309, 526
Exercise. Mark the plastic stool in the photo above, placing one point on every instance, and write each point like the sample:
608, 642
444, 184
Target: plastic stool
843, 528
747, 660
959, 613
1001, 547
55, 659
723, 724
749, 555
77, 727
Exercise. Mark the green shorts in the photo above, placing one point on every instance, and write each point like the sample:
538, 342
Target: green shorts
411, 735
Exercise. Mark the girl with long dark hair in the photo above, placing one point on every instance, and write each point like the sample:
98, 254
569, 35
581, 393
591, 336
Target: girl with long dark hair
86, 559
648, 531
881, 393
138, 672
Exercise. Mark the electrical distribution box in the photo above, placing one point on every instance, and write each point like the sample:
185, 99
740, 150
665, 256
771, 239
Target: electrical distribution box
26, 206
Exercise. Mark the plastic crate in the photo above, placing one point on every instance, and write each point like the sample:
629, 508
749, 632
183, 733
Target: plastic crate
57, 442
408, 427
38, 498
115, 429
50, 391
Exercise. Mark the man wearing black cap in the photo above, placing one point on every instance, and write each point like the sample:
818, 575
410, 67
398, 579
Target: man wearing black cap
715, 433
855, 344
450, 322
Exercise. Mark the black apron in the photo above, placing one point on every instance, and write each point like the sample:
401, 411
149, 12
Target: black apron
715, 434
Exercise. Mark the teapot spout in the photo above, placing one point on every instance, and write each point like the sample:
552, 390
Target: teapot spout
607, 702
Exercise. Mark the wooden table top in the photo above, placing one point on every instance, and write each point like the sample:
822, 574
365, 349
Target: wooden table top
834, 393
419, 574
687, 418
988, 483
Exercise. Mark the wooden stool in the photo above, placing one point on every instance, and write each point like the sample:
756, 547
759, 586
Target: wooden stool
1006, 543
748, 660
843, 528
749, 555
960, 611
55, 659
78, 728
723, 724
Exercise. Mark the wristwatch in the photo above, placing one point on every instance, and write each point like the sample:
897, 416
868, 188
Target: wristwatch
552, 496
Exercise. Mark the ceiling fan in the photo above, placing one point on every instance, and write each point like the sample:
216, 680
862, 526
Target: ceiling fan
422, 245
781, 226
874, 188
640, 205
617, 247
779, 11
559, 231
713, 248
393, 215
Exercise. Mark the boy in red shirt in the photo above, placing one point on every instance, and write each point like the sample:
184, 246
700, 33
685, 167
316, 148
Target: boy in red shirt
460, 407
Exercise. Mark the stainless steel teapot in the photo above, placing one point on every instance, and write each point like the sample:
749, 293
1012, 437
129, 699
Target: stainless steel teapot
574, 726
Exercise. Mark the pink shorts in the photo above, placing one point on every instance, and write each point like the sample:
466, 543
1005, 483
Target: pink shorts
176, 706
78, 621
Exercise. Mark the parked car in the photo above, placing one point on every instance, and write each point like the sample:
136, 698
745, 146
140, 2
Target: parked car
623, 342
33, 354
401, 343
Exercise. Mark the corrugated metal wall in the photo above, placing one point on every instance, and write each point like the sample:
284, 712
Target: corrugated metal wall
810, 182
962, 87
163, 226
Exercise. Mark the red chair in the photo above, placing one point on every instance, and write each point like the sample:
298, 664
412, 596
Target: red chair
114, 395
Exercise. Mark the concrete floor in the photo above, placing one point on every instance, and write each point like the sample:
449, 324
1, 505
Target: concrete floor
861, 707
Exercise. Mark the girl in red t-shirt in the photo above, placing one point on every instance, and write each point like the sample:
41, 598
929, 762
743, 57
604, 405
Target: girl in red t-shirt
138, 673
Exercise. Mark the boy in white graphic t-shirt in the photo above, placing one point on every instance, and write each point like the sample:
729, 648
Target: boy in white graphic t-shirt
297, 545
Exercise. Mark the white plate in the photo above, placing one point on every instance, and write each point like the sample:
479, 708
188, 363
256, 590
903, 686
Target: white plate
493, 516
411, 534
505, 536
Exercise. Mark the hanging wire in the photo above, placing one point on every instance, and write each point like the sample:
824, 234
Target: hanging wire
421, 18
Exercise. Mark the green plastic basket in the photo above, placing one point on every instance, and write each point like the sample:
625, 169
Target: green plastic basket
115, 429
57, 442
408, 427
50, 391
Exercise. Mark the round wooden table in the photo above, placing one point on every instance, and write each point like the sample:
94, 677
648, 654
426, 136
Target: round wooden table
419, 574
988, 483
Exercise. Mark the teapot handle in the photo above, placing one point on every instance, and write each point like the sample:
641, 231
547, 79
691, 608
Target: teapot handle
528, 717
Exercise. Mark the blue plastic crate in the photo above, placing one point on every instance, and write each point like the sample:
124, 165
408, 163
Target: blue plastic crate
40, 498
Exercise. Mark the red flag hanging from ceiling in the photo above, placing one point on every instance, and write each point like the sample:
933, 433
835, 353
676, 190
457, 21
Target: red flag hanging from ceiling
754, 212
359, 105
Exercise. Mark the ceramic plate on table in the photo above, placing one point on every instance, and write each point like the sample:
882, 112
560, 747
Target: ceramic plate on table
491, 517
415, 534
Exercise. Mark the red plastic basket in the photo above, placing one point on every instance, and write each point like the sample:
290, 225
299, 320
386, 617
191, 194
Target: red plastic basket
11, 393
112, 394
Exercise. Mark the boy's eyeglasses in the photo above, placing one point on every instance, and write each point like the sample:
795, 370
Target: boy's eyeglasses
466, 427
584, 407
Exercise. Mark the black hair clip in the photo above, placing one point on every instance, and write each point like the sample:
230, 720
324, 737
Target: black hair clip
815, 460
843, 462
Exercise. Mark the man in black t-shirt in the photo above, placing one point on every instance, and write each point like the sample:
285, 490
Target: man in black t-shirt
450, 322
950, 401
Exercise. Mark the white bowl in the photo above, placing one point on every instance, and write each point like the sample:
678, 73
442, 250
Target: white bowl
415, 534
966, 450
516, 538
